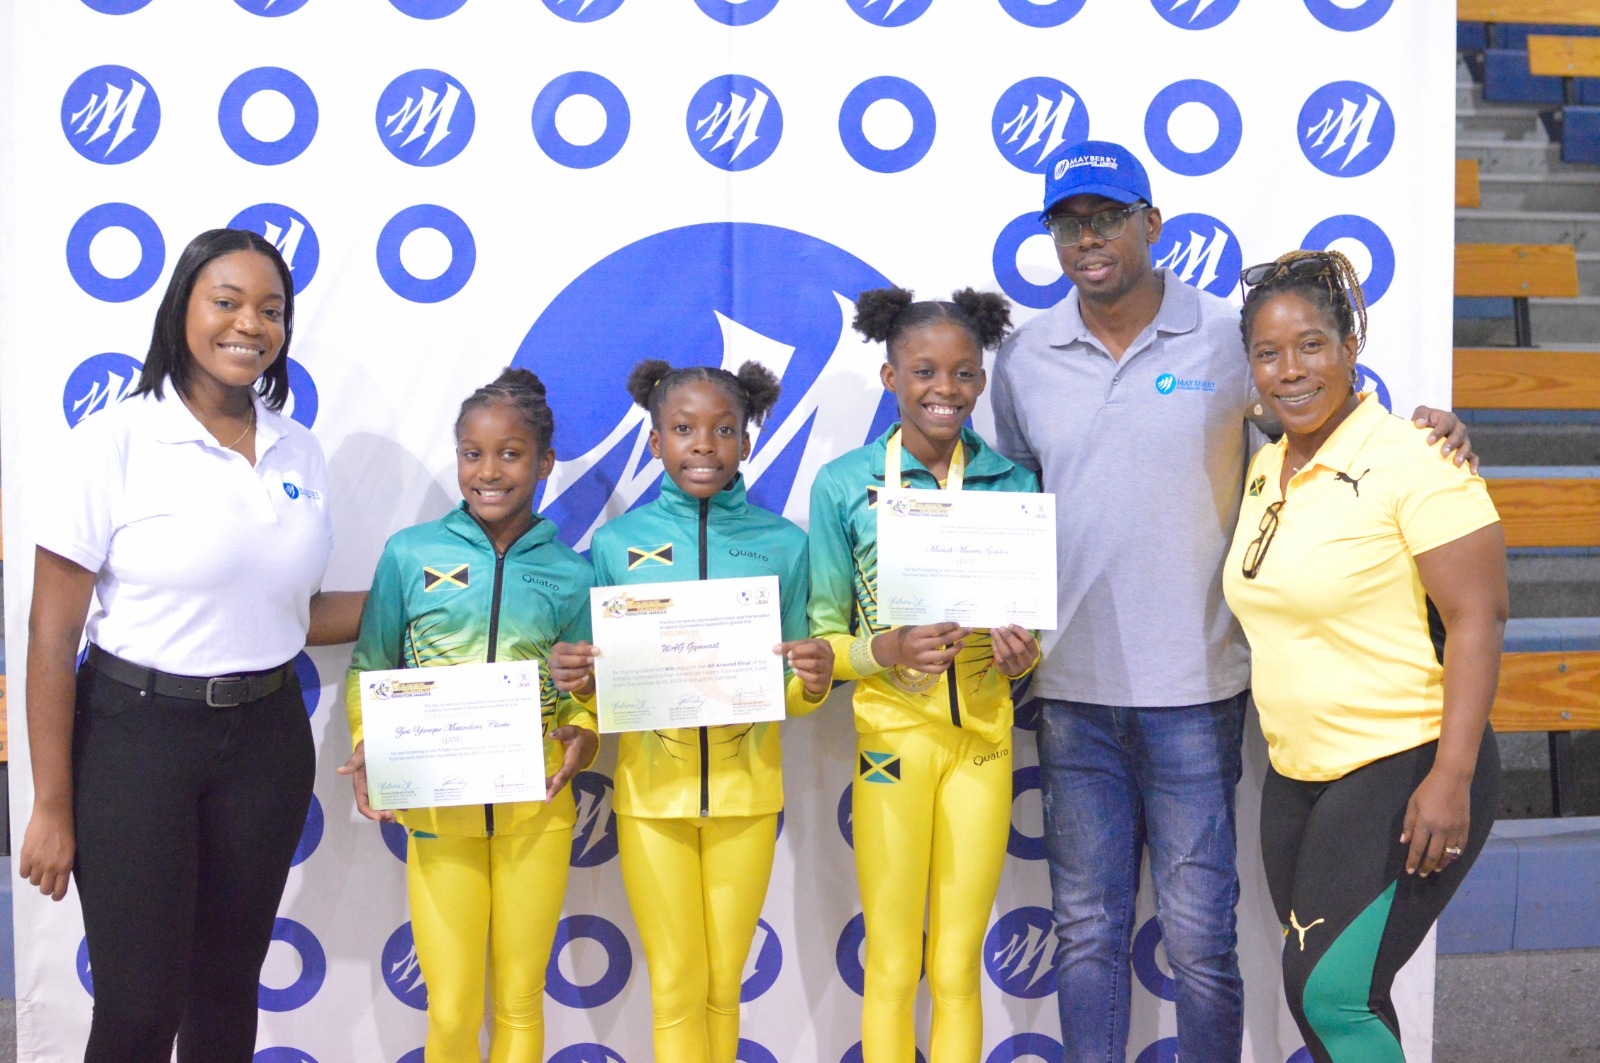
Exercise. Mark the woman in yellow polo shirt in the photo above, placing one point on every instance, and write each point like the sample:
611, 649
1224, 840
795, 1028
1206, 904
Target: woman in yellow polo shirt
1370, 580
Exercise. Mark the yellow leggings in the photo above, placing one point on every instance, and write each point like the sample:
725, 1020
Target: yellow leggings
932, 814
473, 899
696, 887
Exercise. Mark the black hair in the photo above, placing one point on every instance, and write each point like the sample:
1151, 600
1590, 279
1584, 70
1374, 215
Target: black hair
1335, 290
753, 389
524, 392
169, 354
885, 315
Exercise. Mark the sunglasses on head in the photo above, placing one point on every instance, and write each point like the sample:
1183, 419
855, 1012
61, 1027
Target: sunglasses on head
1266, 272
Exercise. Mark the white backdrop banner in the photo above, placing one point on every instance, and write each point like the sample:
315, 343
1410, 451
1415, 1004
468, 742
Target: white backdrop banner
572, 185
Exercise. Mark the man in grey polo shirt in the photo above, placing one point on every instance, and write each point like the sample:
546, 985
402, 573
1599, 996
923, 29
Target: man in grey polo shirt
1129, 397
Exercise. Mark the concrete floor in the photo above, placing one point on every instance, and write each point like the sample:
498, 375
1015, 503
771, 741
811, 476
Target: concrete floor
1531, 1007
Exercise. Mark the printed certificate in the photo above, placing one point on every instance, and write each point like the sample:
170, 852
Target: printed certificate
979, 558
464, 734
690, 654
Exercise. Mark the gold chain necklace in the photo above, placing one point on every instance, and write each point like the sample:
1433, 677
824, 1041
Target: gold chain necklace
246, 431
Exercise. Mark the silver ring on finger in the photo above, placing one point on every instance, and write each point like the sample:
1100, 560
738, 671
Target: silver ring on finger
1453, 850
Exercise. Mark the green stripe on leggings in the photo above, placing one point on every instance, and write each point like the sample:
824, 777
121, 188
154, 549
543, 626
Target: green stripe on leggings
1337, 993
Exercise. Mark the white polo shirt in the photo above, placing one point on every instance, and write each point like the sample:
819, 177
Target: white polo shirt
203, 565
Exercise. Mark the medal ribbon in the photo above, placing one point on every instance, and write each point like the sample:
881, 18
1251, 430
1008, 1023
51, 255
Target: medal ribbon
891, 466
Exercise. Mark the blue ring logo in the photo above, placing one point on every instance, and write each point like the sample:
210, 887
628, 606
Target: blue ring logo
152, 252
1007, 246
580, 156
588, 1052
305, 670
847, 815
1042, 15
100, 380
1162, 1051
310, 834
737, 12
302, 404
594, 835
428, 10
1158, 121
425, 117
282, 1055
1346, 129
395, 838
1301, 1055
890, 13
853, 1055
1372, 382
750, 1052
271, 8
463, 253
1165, 383
313, 968
1151, 976
619, 962
769, 962
792, 307
1025, 1046
243, 89
1348, 19
1033, 118
416, 1055
868, 154
401, 970
1366, 233
734, 122
583, 10
81, 964
1019, 953
290, 232
115, 7
1020, 845
1195, 14
110, 114
847, 954
1201, 251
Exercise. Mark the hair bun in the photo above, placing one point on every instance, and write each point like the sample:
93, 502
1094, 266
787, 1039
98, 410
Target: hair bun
644, 377
989, 312
876, 310
761, 389
515, 379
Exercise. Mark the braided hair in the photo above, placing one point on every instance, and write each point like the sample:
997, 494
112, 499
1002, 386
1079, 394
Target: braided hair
523, 392
886, 315
1335, 290
753, 390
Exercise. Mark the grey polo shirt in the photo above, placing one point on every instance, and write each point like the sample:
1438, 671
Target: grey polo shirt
1146, 458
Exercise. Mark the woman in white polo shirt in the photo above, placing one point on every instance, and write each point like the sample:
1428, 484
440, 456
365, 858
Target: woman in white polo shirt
172, 771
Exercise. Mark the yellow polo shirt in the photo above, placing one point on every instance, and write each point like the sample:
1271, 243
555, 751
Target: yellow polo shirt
1345, 667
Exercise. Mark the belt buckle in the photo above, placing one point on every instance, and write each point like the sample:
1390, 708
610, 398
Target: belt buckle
227, 691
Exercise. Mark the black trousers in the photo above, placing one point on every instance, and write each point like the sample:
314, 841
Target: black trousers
187, 820
1351, 915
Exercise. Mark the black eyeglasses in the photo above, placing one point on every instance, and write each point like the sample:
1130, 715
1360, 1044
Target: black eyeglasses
1306, 266
1108, 224
1256, 552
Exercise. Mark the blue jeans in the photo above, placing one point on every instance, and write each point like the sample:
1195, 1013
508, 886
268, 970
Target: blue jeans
1115, 781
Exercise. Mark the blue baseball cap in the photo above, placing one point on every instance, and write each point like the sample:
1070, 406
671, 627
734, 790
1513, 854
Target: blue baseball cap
1094, 168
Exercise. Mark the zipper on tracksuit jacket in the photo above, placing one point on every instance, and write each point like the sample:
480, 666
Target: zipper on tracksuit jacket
494, 635
705, 735
955, 698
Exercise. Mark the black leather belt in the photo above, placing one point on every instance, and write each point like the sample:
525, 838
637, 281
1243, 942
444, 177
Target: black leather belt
219, 692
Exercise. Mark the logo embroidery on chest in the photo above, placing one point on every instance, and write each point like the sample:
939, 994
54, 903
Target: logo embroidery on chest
652, 555
1355, 483
442, 577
